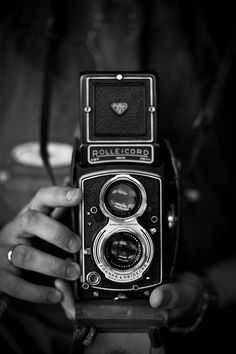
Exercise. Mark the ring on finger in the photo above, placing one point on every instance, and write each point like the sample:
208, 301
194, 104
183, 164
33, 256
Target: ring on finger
10, 253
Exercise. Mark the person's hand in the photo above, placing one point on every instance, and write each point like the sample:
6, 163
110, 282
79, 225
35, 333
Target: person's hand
182, 299
35, 220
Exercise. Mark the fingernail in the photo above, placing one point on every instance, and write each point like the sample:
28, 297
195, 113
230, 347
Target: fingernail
54, 296
73, 271
72, 194
74, 244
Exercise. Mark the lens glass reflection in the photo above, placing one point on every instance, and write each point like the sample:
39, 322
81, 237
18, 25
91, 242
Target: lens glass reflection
122, 198
123, 250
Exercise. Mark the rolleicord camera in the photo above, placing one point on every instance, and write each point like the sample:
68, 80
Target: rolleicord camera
128, 217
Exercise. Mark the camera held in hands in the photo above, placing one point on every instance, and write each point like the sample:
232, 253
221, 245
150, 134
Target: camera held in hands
128, 217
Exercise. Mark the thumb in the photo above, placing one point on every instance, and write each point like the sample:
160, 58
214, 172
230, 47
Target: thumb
165, 296
183, 298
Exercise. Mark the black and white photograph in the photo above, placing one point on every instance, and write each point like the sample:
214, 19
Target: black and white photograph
117, 177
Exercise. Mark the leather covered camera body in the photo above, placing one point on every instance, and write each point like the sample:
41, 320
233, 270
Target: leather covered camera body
129, 215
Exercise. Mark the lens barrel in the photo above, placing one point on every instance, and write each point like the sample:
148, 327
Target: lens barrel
123, 250
123, 197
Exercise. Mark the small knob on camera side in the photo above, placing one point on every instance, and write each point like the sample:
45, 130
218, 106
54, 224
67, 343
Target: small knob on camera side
93, 278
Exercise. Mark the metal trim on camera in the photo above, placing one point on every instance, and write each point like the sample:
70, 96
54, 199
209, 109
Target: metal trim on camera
123, 198
125, 251
130, 259
108, 153
118, 108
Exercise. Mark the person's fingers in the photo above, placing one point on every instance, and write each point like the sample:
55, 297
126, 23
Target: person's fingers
68, 302
183, 293
29, 258
181, 299
173, 296
32, 222
53, 197
166, 296
22, 289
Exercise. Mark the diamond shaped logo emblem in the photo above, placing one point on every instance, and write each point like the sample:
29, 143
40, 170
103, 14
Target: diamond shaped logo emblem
119, 107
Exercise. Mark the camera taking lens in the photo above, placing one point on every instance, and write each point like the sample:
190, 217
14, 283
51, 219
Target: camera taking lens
123, 250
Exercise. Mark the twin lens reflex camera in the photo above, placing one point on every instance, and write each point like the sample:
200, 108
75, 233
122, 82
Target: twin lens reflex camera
128, 217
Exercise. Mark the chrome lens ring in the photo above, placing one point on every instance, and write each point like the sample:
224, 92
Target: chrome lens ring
140, 264
123, 198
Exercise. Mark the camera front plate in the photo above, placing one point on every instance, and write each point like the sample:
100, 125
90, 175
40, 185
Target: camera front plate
97, 226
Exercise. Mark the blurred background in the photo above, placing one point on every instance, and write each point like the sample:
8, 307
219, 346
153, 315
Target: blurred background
46, 45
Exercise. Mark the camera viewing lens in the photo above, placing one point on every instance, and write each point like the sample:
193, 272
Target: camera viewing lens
123, 198
123, 250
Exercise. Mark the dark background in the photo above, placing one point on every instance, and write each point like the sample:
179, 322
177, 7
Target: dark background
187, 43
